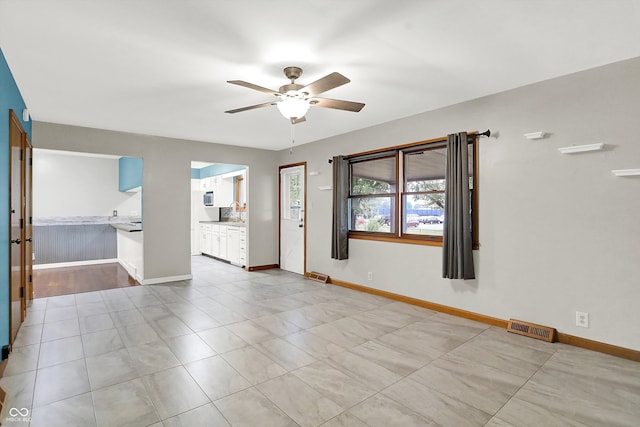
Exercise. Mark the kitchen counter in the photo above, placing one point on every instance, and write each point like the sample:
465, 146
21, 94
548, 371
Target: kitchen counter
127, 226
83, 220
233, 223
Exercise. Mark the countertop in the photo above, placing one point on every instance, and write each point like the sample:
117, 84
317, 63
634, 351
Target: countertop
233, 223
84, 220
127, 226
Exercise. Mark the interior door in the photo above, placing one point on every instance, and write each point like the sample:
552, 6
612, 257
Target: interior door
18, 305
292, 218
28, 216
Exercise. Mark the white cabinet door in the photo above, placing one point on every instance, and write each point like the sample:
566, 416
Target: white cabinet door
205, 240
215, 240
242, 252
233, 244
223, 242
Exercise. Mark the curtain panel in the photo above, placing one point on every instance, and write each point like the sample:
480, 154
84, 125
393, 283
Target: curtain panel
340, 228
457, 243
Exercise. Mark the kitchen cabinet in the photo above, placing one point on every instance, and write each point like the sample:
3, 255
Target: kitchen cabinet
236, 245
222, 242
213, 240
205, 238
226, 242
130, 174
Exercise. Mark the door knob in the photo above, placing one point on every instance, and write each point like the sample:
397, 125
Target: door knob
300, 226
17, 241
28, 239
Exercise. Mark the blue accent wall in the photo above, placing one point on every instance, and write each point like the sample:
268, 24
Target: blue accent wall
129, 173
10, 99
218, 169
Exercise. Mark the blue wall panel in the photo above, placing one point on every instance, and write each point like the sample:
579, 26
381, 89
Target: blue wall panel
129, 173
10, 99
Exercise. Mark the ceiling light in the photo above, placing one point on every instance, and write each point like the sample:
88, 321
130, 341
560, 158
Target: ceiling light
293, 108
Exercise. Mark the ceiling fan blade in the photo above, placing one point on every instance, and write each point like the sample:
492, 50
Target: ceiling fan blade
326, 83
296, 121
251, 107
254, 87
337, 104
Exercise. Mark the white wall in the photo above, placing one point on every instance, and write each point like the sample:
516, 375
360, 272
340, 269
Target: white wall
72, 185
558, 233
167, 190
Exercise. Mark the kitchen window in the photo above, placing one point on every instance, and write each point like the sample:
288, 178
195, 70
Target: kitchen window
383, 206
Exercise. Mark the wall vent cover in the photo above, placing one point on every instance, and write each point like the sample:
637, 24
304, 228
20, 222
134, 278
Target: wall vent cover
318, 277
532, 330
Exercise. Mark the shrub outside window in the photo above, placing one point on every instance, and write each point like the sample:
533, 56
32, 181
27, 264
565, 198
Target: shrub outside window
372, 195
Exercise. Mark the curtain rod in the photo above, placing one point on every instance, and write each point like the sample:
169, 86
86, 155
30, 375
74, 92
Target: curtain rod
473, 134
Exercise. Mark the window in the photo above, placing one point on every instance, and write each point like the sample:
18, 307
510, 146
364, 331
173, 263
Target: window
410, 209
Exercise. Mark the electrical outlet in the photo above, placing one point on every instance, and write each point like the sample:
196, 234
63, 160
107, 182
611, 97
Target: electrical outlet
370, 275
582, 319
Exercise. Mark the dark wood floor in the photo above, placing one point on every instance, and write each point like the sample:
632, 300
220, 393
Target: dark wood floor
72, 280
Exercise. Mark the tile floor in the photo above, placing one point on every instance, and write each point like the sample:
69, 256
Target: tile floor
233, 348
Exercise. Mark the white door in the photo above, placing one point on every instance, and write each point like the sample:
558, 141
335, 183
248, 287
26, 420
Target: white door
292, 217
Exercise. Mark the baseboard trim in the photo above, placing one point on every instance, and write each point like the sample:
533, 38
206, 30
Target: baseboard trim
262, 267
600, 347
167, 279
74, 263
425, 304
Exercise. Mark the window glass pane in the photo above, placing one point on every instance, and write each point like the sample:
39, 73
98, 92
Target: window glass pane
373, 176
292, 196
425, 165
374, 214
423, 217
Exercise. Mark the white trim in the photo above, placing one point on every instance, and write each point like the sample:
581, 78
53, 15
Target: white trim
73, 263
166, 279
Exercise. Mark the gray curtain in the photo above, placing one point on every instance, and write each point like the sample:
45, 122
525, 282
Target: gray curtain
457, 254
340, 230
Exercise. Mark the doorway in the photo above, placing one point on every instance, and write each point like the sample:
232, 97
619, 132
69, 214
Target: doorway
20, 199
293, 201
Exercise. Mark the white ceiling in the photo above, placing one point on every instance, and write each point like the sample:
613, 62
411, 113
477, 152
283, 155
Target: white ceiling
160, 67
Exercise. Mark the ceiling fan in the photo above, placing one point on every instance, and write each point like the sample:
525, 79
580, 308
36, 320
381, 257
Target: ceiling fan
294, 99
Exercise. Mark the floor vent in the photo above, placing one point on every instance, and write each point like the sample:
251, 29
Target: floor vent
318, 277
532, 330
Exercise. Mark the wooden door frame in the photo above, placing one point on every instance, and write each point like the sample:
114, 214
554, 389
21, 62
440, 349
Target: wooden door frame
304, 218
14, 123
28, 220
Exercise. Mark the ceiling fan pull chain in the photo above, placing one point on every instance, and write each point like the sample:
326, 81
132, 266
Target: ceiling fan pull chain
293, 138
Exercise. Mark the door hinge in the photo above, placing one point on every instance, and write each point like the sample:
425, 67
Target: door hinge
30, 278
22, 292
21, 155
21, 222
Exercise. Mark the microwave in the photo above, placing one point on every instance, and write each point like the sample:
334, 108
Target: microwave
208, 198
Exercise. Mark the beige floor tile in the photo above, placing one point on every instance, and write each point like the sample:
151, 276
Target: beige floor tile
124, 404
299, 401
253, 365
216, 377
250, 408
74, 411
60, 382
204, 416
173, 392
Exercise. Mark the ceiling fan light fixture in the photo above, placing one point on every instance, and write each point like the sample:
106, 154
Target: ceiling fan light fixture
293, 108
